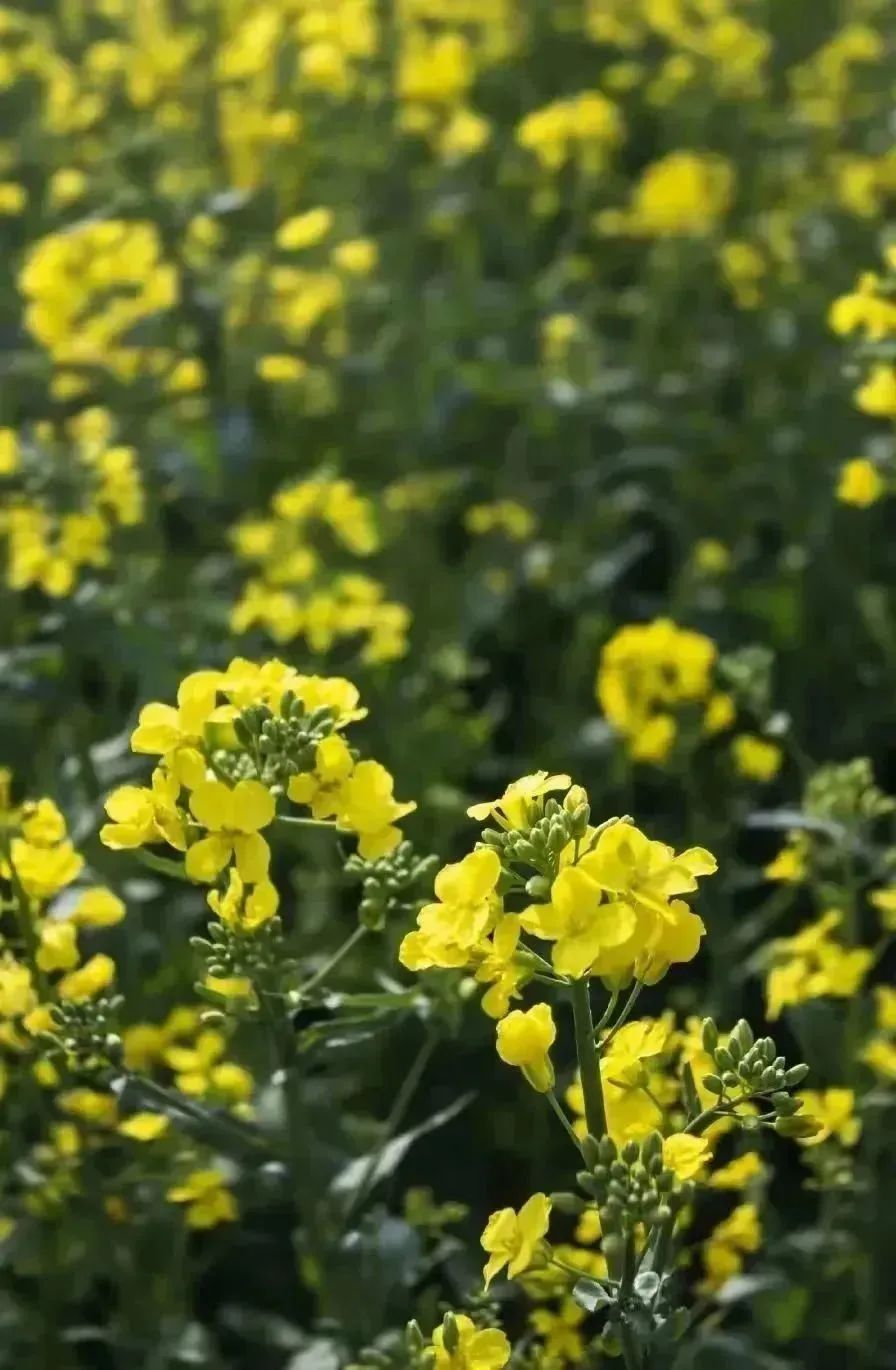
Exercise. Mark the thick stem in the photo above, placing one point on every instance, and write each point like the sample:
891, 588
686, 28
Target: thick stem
589, 1061
631, 1352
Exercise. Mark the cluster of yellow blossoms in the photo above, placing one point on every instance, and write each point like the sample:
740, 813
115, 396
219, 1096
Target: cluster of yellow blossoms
66, 491
48, 987
868, 315
606, 902
295, 594
650, 671
812, 964
237, 743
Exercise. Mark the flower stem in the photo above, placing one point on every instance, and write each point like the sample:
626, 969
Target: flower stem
589, 1061
343, 950
625, 1014
558, 1109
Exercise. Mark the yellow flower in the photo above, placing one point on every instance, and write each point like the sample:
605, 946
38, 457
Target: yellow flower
684, 194
834, 1111
321, 788
97, 907
368, 808
88, 980
885, 902
304, 230
517, 807
357, 257
739, 1173
279, 368
579, 923
144, 1127
511, 1238
162, 728
467, 911
687, 1156
756, 758
861, 483
17, 996
232, 818
877, 396
525, 1040
241, 910
44, 871
477, 1348
207, 1198
142, 816
791, 864
58, 947
90, 1106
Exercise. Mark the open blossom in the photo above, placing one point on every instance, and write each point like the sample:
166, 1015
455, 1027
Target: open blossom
511, 1238
467, 909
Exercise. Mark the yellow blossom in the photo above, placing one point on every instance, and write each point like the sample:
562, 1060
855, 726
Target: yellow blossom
511, 1238
525, 1040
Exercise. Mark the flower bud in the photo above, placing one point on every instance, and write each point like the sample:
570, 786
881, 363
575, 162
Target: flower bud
710, 1035
574, 798
796, 1074
568, 1203
797, 1127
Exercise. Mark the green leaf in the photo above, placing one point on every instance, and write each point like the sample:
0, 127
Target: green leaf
591, 1296
391, 1155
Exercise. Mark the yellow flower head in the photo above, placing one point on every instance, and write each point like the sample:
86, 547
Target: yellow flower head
468, 909
834, 1111
88, 980
860, 484
687, 1156
244, 910
525, 1040
511, 1238
476, 1348
207, 1198
232, 818
518, 805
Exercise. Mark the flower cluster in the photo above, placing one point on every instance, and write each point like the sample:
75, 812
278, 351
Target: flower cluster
606, 904
294, 593
237, 743
67, 490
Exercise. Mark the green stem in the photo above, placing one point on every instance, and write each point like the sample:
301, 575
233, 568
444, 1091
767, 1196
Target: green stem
558, 1109
631, 1352
624, 1015
343, 950
293, 821
396, 1114
589, 1061
607, 1014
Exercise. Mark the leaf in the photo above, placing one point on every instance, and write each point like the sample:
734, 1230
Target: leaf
390, 1156
322, 1354
647, 1285
794, 818
783, 1311
591, 1296
741, 1287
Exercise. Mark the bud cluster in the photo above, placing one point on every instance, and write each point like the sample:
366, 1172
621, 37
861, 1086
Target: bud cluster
392, 884
86, 1033
632, 1187
846, 793
751, 1068
540, 843
276, 746
262, 958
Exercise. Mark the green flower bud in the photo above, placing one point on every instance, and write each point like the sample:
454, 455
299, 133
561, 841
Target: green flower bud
450, 1335
568, 1203
797, 1127
591, 1150
796, 1074
630, 1153
713, 1084
710, 1035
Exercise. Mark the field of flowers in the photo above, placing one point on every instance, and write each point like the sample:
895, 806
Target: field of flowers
447, 684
